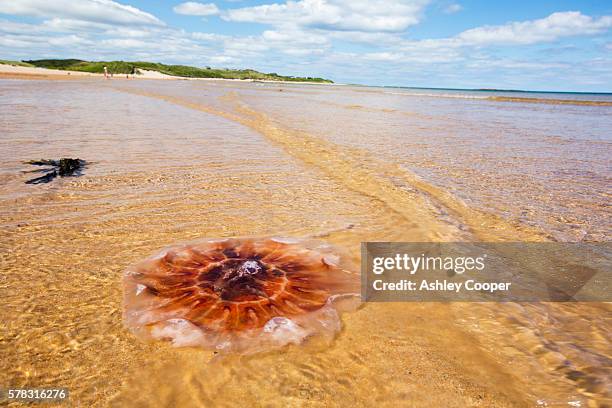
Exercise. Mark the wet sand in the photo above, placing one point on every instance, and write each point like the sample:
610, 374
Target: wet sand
175, 161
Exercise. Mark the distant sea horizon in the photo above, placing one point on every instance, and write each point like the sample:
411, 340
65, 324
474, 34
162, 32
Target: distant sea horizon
433, 88
599, 98
495, 90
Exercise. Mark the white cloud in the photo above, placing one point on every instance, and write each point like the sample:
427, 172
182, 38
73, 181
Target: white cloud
383, 56
129, 32
551, 28
453, 8
70, 25
192, 8
493, 64
307, 37
335, 15
296, 42
11, 27
95, 11
379, 40
69, 41
208, 36
295, 37
126, 43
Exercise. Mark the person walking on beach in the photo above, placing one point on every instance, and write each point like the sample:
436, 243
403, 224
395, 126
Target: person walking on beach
105, 72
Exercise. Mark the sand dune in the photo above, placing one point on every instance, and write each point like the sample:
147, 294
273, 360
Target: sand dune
18, 72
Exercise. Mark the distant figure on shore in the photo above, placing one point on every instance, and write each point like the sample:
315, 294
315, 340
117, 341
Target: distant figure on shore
133, 72
105, 72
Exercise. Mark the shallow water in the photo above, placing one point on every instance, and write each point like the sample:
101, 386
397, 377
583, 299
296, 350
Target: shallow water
172, 161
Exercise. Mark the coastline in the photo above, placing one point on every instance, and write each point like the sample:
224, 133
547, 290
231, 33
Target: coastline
8, 71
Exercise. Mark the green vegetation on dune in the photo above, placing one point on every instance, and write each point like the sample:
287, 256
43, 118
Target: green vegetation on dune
15, 63
123, 67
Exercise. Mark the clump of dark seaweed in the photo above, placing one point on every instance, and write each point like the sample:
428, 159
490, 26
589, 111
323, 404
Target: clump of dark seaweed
63, 167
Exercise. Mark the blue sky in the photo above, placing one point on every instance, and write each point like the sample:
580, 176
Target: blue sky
536, 45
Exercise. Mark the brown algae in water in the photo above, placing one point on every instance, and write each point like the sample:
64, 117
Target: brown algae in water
63, 167
240, 295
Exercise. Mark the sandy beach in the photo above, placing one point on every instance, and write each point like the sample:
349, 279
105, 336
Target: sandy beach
18, 72
8, 71
173, 161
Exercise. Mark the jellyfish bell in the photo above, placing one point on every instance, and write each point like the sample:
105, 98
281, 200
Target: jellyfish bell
240, 295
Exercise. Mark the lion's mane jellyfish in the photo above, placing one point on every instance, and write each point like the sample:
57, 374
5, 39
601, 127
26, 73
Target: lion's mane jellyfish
240, 295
